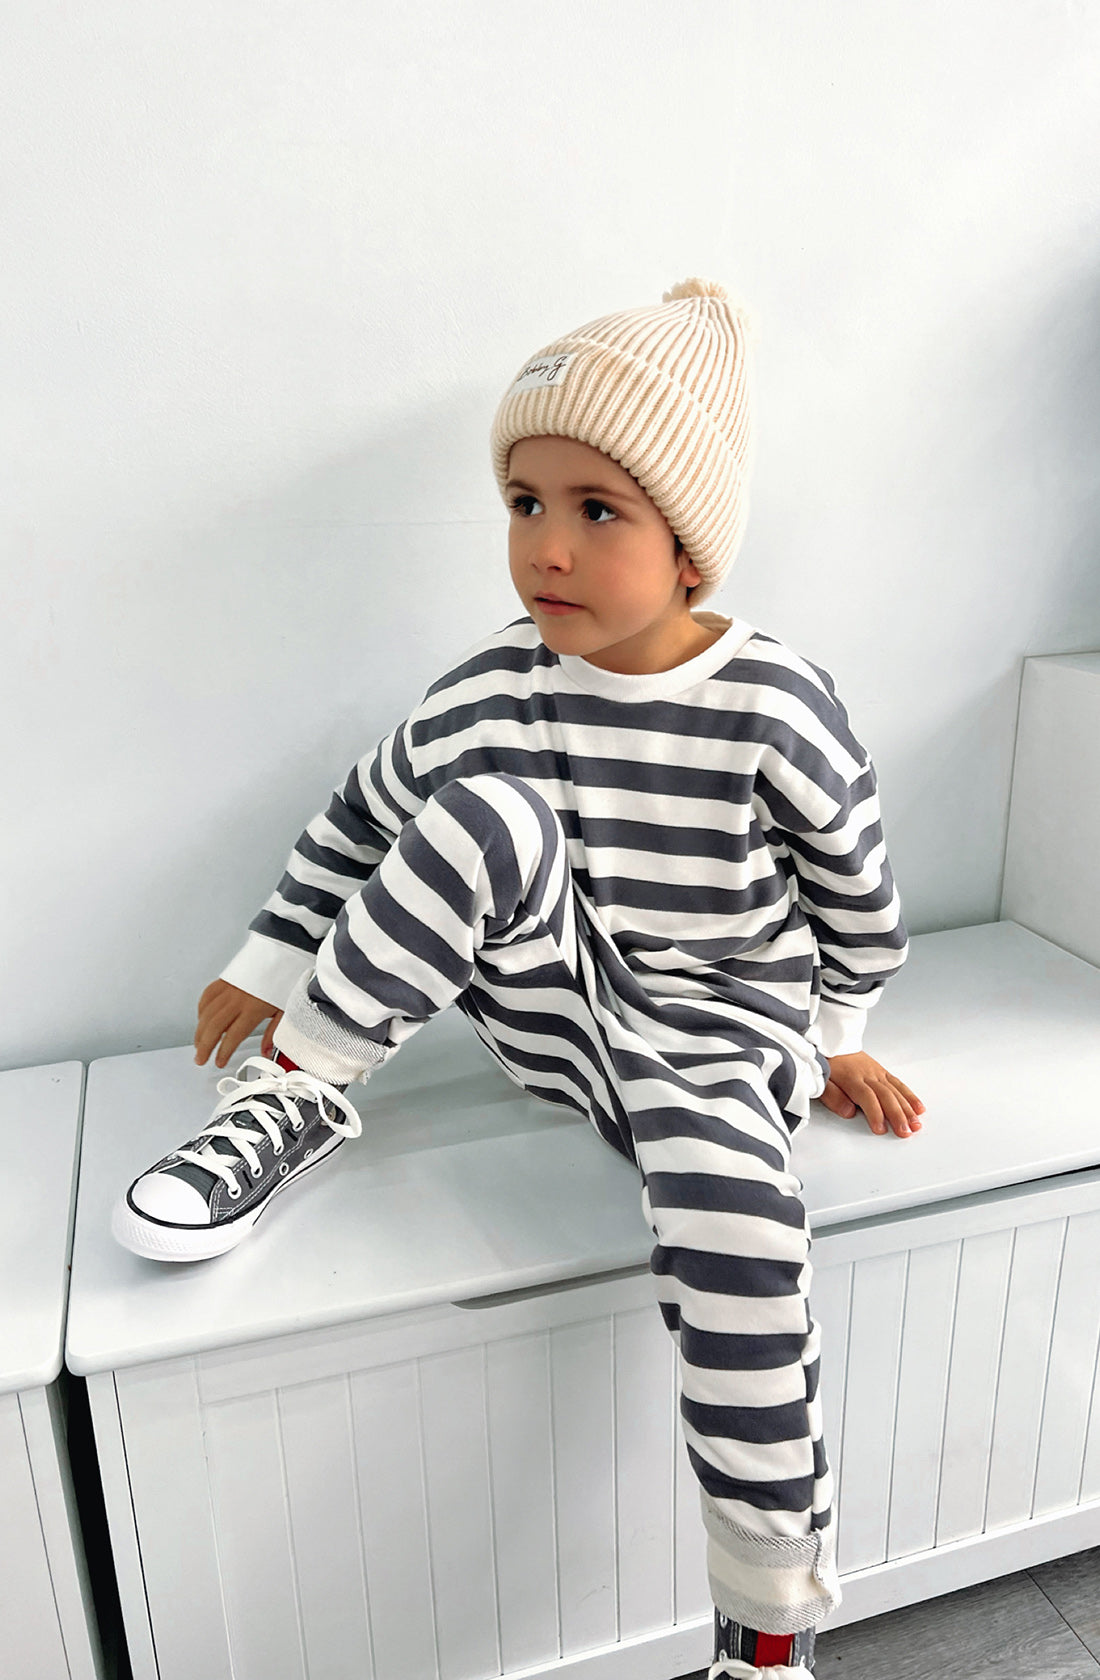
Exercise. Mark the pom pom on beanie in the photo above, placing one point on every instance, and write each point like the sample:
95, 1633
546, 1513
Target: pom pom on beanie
665, 390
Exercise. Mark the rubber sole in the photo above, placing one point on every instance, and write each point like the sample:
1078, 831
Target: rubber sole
153, 1239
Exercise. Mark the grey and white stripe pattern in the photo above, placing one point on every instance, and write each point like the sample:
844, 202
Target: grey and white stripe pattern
633, 901
722, 826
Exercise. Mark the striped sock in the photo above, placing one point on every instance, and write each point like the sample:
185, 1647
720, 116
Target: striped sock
747, 1644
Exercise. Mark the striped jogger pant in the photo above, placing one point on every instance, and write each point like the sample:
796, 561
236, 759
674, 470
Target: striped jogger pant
475, 904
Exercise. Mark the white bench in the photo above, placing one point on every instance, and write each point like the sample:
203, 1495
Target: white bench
424, 1422
48, 1629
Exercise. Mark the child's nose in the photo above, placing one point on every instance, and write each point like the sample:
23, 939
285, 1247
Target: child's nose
552, 549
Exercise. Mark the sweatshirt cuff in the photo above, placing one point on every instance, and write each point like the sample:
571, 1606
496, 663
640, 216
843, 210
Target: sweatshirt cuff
267, 969
837, 1029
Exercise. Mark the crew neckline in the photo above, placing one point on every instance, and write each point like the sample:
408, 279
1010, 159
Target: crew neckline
659, 685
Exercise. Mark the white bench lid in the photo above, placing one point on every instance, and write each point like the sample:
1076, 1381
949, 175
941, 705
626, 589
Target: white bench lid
462, 1185
40, 1126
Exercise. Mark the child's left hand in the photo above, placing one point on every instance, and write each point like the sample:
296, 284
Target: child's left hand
859, 1082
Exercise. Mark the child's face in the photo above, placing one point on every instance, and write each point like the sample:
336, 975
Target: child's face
583, 530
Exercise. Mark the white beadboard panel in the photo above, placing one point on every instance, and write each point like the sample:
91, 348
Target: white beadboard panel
521, 1462
255, 1543
1025, 1358
1071, 1379
504, 1489
584, 1483
972, 1384
460, 1527
644, 1441
394, 1518
1090, 1469
922, 1393
30, 1635
830, 1300
874, 1336
118, 1499
1029, 1203
166, 1460
45, 1426
256, 1367
692, 1589
319, 1460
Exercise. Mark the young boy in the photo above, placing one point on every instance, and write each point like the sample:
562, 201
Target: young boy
639, 847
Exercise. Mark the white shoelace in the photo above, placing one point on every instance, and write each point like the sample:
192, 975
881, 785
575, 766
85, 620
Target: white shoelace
239, 1099
748, 1671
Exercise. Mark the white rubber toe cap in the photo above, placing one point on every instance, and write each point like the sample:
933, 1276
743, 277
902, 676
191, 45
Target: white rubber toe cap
170, 1199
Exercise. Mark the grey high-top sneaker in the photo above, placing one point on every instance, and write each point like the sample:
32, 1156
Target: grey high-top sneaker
267, 1133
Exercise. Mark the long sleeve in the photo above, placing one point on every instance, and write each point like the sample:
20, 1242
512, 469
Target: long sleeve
821, 790
335, 854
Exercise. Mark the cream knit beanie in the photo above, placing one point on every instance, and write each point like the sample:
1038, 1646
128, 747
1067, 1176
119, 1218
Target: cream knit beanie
665, 391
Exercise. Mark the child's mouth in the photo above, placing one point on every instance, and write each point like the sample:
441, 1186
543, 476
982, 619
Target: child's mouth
551, 606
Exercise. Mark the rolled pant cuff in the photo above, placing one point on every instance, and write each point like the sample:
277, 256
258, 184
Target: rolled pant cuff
774, 1583
320, 1046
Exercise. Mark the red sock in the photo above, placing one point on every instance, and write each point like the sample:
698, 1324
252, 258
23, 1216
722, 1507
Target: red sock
773, 1648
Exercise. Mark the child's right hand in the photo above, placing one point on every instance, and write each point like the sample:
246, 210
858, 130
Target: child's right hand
226, 1017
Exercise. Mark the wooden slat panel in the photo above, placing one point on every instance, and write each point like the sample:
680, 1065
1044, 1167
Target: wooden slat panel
644, 1437
393, 1517
45, 1414
117, 1497
452, 1398
30, 1637
583, 1422
1029, 1321
521, 1460
281, 1362
830, 1299
692, 1589
1090, 1470
259, 1584
922, 1397
315, 1424
878, 1294
969, 1216
166, 1461
1072, 1374
972, 1384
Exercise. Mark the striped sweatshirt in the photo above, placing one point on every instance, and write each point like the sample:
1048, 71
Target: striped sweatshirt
722, 824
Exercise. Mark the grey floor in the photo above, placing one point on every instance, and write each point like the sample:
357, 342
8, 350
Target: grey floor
1042, 1624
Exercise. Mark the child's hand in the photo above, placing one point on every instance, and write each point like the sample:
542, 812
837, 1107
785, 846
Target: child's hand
226, 1017
859, 1082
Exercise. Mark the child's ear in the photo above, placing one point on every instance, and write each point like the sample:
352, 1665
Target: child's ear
689, 573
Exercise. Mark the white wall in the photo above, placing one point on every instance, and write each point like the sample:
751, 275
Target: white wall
267, 269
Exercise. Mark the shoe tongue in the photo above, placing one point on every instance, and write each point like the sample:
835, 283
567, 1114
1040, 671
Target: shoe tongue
204, 1182
201, 1181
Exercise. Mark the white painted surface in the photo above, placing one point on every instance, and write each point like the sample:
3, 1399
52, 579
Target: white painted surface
40, 1123
481, 1492
268, 276
57, 1532
110, 1448
1052, 861
482, 1463
30, 1633
462, 1185
47, 1623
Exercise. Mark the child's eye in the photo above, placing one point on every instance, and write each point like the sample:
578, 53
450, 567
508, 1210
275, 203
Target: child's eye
525, 505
